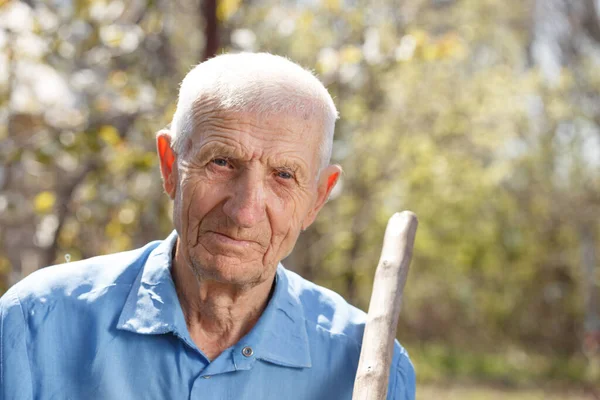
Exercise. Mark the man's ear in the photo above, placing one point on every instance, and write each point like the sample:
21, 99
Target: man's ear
327, 181
167, 159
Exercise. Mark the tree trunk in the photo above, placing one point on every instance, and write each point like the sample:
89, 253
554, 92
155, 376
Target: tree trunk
589, 265
211, 28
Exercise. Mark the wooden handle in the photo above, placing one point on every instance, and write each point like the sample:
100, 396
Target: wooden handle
384, 310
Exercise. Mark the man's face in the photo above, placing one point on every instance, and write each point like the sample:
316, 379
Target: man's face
244, 188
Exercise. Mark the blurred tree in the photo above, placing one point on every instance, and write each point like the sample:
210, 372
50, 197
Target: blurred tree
566, 45
87, 84
211, 30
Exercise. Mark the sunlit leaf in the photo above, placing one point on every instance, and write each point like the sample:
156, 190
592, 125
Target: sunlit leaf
4, 265
332, 5
109, 135
44, 202
350, 54
226, 8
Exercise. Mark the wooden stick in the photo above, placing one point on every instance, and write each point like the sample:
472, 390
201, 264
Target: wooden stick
384, 310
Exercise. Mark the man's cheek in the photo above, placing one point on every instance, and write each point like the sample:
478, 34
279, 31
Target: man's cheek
178, 222
285, 243
196, 201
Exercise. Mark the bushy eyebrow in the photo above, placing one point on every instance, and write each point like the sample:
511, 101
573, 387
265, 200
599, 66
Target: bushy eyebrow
212, 150
288, 166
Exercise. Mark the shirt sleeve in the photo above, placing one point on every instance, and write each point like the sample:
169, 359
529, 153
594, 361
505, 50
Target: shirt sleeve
15, 371
402, 382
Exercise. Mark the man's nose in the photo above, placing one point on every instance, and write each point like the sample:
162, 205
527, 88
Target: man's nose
246, 206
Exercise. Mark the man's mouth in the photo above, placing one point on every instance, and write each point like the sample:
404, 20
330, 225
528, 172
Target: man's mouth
231, 240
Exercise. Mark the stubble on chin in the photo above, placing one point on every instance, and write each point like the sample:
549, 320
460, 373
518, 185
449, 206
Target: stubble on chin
219, 268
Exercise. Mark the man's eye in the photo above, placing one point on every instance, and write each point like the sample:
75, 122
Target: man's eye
284, 175
221, 162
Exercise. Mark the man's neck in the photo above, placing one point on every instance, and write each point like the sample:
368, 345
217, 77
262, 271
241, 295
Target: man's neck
217, 314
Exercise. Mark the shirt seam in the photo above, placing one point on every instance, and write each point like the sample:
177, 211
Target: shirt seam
26, 337
316, 324
331, 333
400, 370
282, 363
1, 346
274, 359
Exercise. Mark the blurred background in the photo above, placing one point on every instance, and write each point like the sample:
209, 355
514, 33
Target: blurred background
481, 116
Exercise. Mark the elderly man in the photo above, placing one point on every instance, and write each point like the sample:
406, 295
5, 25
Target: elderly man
208, 313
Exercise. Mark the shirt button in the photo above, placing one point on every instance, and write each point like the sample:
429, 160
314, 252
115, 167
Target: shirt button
247, 351
206, 376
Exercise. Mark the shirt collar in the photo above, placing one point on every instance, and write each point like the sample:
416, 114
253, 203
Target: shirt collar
152, 307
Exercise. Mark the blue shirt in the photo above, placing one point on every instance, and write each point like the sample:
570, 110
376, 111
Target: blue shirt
111, 327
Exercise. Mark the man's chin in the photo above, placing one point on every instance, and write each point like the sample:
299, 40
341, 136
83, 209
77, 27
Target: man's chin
230, 271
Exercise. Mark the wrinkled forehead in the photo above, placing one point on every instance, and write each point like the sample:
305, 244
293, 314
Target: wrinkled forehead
293, 130
296, 116
268, 101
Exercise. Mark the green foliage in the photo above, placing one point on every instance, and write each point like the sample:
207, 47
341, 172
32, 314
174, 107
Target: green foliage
511, 368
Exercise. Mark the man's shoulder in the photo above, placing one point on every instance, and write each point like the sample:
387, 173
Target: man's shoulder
326, 310
79, 278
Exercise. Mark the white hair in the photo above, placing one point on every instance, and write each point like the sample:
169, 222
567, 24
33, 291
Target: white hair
259, 83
